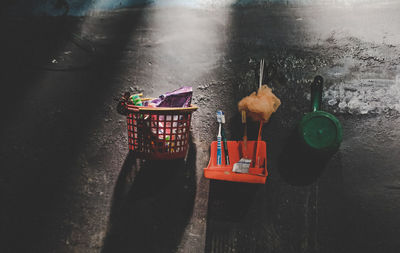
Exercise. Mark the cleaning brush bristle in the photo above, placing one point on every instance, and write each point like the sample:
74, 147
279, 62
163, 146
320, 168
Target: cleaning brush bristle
220, 117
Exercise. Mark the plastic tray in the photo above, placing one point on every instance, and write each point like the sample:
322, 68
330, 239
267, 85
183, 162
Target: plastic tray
224, 172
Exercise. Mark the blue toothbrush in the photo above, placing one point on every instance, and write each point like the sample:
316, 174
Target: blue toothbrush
224, 140
219, 148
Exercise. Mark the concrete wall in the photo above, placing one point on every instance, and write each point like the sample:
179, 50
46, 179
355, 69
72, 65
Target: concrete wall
68, 184
85, 7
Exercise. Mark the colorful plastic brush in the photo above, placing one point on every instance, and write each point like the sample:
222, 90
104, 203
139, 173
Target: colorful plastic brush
219, 148
224, 140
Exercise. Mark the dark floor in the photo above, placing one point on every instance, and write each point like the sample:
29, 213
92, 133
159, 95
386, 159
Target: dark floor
68, 184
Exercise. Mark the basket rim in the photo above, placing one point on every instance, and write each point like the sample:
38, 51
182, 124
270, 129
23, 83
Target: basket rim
152, 109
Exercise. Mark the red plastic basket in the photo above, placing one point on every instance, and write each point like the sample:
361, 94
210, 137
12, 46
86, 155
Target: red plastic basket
160, 133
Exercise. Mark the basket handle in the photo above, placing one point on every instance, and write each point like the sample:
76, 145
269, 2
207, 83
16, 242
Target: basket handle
135, 108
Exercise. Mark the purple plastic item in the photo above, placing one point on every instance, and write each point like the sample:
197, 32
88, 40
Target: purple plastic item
181, 97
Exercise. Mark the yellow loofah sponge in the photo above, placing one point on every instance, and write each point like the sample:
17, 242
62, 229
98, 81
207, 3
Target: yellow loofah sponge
260, 106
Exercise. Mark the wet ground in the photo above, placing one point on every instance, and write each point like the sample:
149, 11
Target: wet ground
68, 184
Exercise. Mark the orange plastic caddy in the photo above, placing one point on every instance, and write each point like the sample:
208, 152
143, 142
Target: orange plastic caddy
160, 133
224, 172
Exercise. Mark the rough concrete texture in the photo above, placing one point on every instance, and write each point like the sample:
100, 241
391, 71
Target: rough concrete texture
91, 7
67, 182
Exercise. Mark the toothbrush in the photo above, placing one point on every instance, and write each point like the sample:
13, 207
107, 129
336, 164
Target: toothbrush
219, 151
224, 140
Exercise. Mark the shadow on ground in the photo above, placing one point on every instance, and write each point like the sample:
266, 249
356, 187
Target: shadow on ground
152, 204
300, 166
49, 114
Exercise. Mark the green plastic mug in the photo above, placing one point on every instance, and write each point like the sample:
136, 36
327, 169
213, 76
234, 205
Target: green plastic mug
319, 130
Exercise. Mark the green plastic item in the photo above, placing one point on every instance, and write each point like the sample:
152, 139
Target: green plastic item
136, 100
319, 130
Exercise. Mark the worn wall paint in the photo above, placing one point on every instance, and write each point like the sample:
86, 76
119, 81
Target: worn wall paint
365, 96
